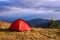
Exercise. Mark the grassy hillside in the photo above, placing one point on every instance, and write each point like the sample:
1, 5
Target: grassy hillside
35, 34
4, 25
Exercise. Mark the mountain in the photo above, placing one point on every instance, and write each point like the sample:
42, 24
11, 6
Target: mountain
28, 16
58, 22
38, 22
41, 23
12, 17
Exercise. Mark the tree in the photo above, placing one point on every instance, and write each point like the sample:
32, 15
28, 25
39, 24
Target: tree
57, 25
51, 24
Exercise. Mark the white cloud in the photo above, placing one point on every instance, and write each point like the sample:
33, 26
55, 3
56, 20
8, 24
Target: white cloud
18, 10
31, 7
39, 4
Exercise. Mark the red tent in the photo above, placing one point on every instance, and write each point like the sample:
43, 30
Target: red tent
20, 25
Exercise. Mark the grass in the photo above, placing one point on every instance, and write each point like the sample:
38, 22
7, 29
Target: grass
35, 34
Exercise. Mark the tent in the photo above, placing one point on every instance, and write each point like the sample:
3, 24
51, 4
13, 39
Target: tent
20, 25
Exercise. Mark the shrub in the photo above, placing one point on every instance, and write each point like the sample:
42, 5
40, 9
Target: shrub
51, 24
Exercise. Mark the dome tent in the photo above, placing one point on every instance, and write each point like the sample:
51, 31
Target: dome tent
20, 25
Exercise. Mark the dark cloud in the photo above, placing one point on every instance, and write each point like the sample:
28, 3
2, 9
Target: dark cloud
29, 4
37, 4
49, 8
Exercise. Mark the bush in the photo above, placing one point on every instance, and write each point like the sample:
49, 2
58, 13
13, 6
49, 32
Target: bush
53, 24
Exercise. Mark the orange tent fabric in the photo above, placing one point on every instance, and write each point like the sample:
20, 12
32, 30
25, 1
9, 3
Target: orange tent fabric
20, 25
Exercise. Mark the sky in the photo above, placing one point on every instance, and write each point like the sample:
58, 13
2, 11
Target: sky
49, 8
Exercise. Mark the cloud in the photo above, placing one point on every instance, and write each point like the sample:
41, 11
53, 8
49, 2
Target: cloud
45, 8
17, 10
39, 3
29, 6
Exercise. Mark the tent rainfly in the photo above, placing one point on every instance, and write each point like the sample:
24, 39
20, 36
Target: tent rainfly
20, 25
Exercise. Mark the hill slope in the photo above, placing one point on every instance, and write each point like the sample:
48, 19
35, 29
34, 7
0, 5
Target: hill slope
38, 22
35, 34
4, 24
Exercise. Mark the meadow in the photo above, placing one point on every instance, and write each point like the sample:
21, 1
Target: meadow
34, 34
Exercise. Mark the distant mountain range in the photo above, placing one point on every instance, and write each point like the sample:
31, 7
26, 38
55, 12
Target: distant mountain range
58, 22
38, 22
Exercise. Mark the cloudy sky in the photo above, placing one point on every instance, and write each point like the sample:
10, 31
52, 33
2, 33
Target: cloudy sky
48, 8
